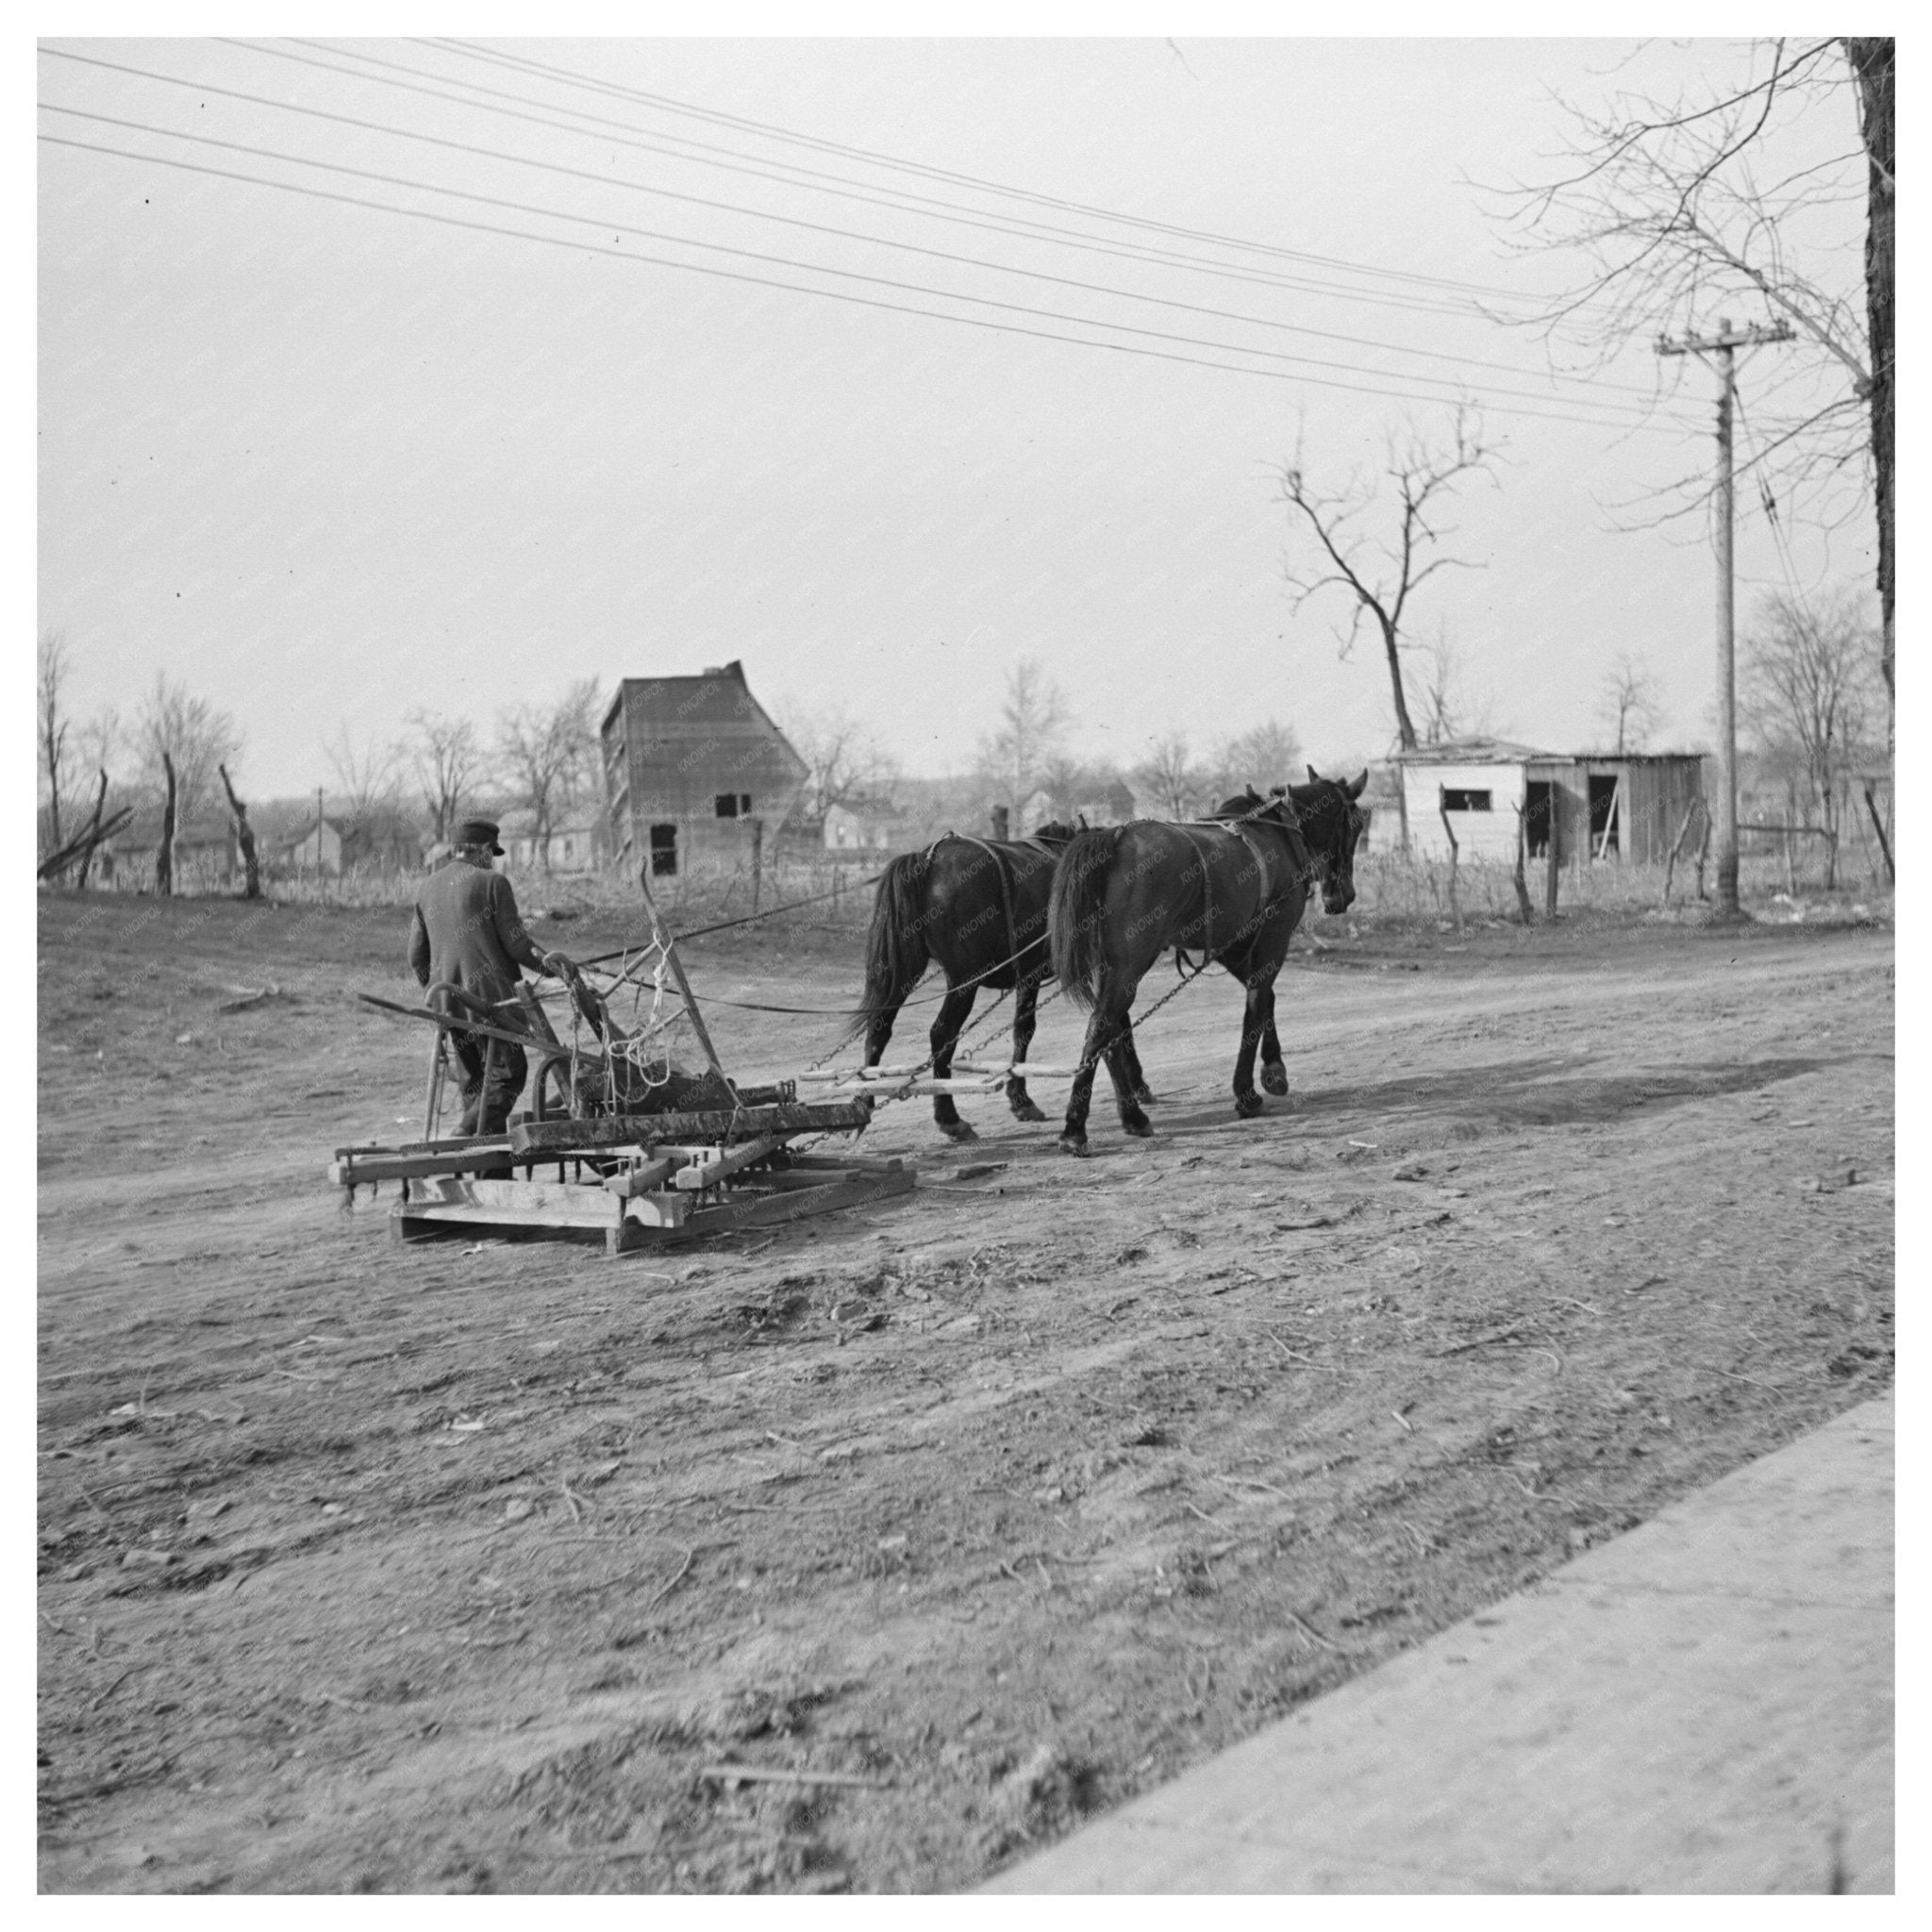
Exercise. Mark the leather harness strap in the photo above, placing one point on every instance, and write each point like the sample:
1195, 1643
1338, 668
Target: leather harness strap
999, 866
1234, 829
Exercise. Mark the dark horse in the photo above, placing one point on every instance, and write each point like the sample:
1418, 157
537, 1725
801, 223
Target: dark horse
976, 907
1233, 888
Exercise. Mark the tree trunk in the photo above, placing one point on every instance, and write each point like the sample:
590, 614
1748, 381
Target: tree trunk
1405, 729
1523, 904
244, 837
164, 853
93, 833
1874, 61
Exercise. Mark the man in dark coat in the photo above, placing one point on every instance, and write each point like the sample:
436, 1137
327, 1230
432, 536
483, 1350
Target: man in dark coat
467, 933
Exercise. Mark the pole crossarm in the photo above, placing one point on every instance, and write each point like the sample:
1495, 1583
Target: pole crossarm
1752, 335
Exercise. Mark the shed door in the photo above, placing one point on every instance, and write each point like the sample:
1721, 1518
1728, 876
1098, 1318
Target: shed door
1538, 799
664, 851
1604, 815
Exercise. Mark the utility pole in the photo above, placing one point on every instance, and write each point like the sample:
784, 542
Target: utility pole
1723, 347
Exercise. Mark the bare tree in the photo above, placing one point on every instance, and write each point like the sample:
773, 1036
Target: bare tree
98, 740
1381, 577
51, 736
368, 776
845, 764
183, 740
1034, 720
1268, 755
1743, 192
1628, 703
447, 760
1806, 695
543, 753
1170, 777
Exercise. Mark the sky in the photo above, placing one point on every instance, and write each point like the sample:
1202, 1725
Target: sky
326, 463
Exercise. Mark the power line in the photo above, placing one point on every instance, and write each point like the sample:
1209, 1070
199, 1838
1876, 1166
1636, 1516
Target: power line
505, 204
666, 102
844, 188
815, 228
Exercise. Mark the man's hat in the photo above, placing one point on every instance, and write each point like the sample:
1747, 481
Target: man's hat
476, 832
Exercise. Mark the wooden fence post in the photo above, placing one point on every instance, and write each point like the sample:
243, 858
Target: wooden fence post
1442, 806
1878, 826
758, 862
1676, 846
1523, 904
1550, 859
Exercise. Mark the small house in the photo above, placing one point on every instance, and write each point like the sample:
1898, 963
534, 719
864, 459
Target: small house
206, 852
1599, 805
863, 828
316, 852
694, 767
576, 843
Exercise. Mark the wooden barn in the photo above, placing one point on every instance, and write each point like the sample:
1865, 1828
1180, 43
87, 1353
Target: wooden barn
1629, 806
694, 768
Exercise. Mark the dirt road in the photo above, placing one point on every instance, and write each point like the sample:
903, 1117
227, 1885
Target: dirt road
469, 1567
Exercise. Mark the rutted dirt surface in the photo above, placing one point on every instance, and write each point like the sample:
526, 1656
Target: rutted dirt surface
464, 1567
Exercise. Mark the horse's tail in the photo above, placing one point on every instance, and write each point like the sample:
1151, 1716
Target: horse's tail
1075, 912
895, 949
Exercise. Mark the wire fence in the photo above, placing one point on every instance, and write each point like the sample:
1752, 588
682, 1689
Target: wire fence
1392, 889
1397, 888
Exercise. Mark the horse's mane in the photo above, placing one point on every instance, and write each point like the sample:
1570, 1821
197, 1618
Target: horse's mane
1056, 831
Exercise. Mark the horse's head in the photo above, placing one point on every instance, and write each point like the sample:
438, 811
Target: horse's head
1332, 821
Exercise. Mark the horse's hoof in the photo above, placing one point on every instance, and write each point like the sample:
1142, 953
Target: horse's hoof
1147, 1095
957, 1130
1025, 1111
1138, 1125
1247, 1104
1274, 1078
1074, 1145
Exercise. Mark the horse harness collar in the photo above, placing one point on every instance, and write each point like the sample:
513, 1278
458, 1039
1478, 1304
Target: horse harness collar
1236, 827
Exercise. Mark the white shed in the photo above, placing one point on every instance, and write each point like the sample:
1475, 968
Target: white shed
1480, 783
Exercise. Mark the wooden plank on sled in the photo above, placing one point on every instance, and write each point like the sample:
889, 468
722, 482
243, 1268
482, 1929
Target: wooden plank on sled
769, 1209
464, 1199
550, 1137
356, 1167
709, 1172
817, 1170
642, 1180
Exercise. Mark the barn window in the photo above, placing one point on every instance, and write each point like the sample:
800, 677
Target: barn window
664, 851
1465, 801
727, 805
